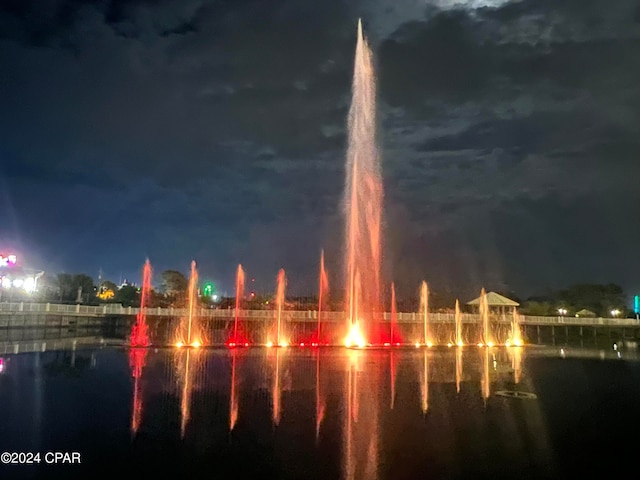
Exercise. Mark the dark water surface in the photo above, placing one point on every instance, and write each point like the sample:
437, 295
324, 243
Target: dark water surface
322, 414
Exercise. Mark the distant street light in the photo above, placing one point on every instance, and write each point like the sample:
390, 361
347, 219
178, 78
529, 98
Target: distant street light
615, 312
562, 311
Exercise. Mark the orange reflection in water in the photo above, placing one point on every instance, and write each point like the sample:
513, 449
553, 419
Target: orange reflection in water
458, 368
516, 362
485, 382
137, 361
233, 402
320, 405
424, 383
276, 390
392, 373
188, 366
361, 423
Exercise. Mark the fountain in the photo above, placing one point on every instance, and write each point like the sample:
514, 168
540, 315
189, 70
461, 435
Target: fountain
239, 294
458, 369
424, 311
487, 337
282, 282
187, 330
140, 331
515, 338
323, 290
458, 320
362, 200
393, 338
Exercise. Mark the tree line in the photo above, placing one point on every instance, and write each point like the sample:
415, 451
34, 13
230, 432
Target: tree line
584, 299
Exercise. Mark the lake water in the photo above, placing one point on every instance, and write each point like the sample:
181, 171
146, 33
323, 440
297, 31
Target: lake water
330, 413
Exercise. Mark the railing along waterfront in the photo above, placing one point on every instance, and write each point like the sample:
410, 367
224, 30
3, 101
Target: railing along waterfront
296, 315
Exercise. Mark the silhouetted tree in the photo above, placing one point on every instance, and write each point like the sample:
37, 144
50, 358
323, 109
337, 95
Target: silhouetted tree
128, 296
174, 286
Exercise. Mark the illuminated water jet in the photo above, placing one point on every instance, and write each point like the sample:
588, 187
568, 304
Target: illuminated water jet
282, 282
424, 312
516, 333
239, 296
394, 316
140, 331
487, 337
323, 290
458, 320
362, 196
188, 332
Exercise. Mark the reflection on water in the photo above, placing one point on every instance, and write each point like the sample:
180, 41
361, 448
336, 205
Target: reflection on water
137, 360
323, 413
320, 403
233, 402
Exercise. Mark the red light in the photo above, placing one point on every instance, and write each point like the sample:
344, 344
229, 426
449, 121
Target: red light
387, 344
398, 344
314, 344
232, 344
302, 344
246, 344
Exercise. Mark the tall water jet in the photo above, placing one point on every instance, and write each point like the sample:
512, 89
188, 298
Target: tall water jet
516, 333
239, 296
487, 337
193, 292
362, 196
282, 282
140, 330
459, 340
394, 316
458, 369
323, 290
424, 312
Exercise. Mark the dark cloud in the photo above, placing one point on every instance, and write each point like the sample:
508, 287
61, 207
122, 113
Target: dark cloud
215, 130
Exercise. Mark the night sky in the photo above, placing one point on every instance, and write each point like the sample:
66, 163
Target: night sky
215, 131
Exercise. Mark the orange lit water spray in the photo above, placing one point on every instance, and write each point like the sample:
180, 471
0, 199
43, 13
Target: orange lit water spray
193, 285
323, 289
424, 310
458, 319
239, 295
394, 314
484, 316
282, 282
363, 193
140, 331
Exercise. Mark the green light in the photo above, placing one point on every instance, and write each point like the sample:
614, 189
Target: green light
209, 289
